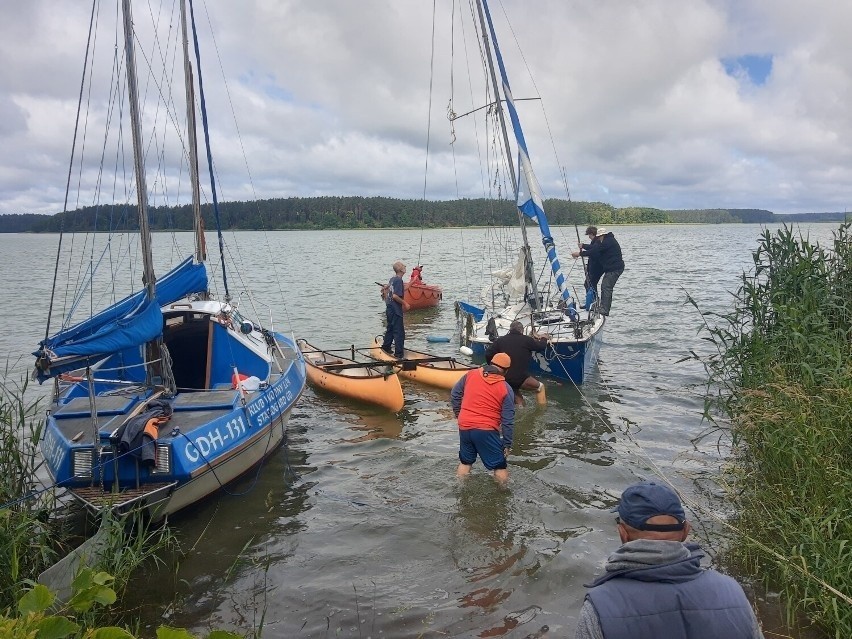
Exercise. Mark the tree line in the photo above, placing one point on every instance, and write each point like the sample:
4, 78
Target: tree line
376, 212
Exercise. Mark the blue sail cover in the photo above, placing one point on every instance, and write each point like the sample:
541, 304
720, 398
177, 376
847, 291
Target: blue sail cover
130, 322
529, 192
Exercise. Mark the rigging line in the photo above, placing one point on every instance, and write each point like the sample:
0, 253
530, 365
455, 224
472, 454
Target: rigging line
428, 130
698, 508
70, 168
209, 153
272, 259
563, 174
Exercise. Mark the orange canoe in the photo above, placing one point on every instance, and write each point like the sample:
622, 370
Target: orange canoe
366, 382
434, 371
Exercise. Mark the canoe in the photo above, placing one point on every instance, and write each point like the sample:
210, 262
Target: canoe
434, 371
366, 382
422, 295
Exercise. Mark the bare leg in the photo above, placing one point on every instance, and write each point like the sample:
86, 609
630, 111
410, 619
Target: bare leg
531, 383
502, 476
463, 470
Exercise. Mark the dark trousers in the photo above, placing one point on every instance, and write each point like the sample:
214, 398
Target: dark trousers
394, 333
607, 285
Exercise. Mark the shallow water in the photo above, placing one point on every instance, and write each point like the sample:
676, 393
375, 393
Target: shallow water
358, 527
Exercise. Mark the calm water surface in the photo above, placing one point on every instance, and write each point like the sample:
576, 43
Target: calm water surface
358, 527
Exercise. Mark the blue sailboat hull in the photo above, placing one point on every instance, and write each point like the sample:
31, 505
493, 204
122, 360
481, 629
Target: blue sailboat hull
571, 362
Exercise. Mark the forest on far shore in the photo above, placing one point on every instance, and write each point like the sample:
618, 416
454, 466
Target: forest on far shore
379, 212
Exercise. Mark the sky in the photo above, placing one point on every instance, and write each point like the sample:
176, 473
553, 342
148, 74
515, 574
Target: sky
673, 104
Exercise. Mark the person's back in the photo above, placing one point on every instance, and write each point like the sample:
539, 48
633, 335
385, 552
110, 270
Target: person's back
519, 348
654, 585
609, 257
662, 591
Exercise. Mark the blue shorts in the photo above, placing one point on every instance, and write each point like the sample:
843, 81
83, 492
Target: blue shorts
487, 443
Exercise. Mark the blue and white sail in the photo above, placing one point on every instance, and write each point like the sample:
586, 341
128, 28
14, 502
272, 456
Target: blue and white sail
529, 200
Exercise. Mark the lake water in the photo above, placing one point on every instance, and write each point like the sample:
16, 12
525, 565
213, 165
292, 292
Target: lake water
358, 527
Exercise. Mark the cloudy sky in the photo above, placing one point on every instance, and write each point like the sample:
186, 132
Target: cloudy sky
662, 103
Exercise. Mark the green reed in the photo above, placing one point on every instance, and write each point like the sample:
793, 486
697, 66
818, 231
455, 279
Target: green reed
782, 378
35, 530
25, 530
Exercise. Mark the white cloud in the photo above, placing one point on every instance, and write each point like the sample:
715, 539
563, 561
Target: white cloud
332, 97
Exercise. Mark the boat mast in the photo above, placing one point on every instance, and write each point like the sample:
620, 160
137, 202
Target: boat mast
198, 223
528, 275
148, 277
153, 349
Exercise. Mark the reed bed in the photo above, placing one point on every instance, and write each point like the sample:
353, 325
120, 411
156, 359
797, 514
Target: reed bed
36, 528
781, 378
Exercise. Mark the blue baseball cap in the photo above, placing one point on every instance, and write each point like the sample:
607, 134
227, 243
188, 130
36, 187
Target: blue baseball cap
647, 499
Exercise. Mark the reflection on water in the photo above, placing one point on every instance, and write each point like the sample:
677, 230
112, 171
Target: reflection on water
359, 527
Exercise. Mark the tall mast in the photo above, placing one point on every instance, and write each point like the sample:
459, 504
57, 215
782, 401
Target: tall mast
148, 277
198, 225
154, 368
528, 276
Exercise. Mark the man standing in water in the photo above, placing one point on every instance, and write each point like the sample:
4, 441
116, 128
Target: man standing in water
654, 585
519, 348
484, 404
394, 296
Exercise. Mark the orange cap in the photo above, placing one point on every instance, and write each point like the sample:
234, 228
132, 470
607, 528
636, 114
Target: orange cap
502, 360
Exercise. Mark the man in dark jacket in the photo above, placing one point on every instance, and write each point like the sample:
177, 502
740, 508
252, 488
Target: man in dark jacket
605, 252
593, 269
654, 585
519, 348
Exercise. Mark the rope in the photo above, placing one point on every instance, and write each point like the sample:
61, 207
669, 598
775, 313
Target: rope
695, 506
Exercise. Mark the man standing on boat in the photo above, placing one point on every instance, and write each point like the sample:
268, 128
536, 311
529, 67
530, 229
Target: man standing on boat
394, 296
593, 269
606, 252
484, 404
654, 585
519, 348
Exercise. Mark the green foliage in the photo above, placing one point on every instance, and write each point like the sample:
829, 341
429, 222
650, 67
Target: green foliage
40, 618
26, 532
783, 375
333, 212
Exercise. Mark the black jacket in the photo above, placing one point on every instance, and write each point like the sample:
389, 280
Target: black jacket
519, 348
605, 253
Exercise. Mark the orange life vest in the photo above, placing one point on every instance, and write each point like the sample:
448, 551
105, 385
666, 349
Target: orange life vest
482, 402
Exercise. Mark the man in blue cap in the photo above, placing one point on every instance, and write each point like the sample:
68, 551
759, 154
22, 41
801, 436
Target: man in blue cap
654, 585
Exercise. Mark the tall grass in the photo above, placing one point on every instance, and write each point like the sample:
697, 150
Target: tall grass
782, 376
26, 531
35, 531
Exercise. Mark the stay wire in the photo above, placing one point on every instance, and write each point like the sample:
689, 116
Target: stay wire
694, 505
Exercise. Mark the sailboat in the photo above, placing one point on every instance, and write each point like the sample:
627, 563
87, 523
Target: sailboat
542, 305
169, 394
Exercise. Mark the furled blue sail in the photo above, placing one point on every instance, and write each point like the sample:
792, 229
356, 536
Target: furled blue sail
130, 322
529, 192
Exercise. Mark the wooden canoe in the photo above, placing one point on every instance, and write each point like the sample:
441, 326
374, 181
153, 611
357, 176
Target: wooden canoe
366, 382
434, 371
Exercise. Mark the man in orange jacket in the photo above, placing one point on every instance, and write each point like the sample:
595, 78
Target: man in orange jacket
484, 404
